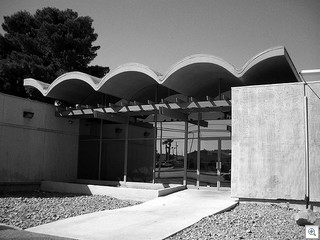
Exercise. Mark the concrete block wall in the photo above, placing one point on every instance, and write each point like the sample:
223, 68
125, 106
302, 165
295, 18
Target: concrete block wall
268, 142
41, 148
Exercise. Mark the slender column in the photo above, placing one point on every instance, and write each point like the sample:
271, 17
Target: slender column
100, 149
155, 148
306, 133
176, 151
220, 89
219, 164
198, 152
126, 146
185, 154
160, 162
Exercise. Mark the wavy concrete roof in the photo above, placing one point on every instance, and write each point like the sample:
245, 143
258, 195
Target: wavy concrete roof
196, 76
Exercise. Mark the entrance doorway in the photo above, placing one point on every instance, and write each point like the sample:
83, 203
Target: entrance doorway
208, 156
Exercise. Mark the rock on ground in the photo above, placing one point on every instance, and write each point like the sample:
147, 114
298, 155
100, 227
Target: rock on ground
247, 221
30, 209
305, 217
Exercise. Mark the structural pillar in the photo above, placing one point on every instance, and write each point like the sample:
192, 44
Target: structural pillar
198, 152
100, 149
219, 164
185, 162
160, 161
126, 147
155, 148
306, 133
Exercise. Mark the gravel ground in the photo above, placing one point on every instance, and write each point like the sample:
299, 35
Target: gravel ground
247, 221
30, 209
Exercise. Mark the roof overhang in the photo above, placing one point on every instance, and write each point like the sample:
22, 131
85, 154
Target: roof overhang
195, 76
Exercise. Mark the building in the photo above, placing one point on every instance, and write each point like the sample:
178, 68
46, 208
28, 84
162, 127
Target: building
201, 103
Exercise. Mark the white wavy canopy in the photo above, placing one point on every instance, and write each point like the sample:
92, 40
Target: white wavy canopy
196, 76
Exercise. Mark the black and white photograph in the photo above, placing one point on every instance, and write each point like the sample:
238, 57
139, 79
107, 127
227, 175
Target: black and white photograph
159, 119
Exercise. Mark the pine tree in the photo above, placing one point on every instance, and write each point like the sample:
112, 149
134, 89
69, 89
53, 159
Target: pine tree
44, 46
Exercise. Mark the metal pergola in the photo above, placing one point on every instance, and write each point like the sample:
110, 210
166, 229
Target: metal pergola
127, 112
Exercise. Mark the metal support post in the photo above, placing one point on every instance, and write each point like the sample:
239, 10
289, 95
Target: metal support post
198, 152
306, 130
100, 150
126, 146
160, 161
219, 164
155, 148
185, 162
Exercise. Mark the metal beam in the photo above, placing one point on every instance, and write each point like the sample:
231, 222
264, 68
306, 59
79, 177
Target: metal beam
178, 109
201, 123
174, 114
140, 113
110, 117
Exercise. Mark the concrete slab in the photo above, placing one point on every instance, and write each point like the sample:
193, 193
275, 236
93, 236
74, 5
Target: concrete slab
11, 232
155, 219
132, 191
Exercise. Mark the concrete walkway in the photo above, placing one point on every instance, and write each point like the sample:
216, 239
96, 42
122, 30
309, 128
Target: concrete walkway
154, 219
13, 233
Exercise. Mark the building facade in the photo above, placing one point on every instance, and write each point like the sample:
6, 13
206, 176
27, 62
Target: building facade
203, 123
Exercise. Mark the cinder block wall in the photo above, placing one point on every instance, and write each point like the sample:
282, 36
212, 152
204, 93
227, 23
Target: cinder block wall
268, 141
41, 148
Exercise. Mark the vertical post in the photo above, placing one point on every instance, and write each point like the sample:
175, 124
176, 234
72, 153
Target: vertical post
219, 164
160, 161
185, 162
100, 149
155, 148
176, 151
126, 146
198, 152
306, 133
219, 88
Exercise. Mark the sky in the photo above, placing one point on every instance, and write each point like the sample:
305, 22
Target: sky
159, 33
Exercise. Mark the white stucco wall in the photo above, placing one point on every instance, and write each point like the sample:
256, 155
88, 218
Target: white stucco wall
42, 148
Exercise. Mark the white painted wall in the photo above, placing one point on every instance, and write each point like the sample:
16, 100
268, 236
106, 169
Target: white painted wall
42, 148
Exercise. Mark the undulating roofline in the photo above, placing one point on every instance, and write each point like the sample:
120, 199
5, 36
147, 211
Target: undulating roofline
194, 76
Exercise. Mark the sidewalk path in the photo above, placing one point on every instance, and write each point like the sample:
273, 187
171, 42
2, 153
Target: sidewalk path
154, 219
13, 233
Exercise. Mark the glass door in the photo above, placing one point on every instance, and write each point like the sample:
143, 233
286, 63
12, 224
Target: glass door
208, 163
225, 163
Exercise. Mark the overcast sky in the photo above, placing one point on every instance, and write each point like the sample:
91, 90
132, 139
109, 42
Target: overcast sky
158, 33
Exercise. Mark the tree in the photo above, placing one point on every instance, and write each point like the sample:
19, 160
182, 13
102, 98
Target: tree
168, 143
44, 46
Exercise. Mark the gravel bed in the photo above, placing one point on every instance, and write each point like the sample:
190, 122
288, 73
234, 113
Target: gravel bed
30, 209
247, 221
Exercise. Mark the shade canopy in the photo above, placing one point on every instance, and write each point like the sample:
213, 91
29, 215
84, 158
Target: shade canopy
195, 76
